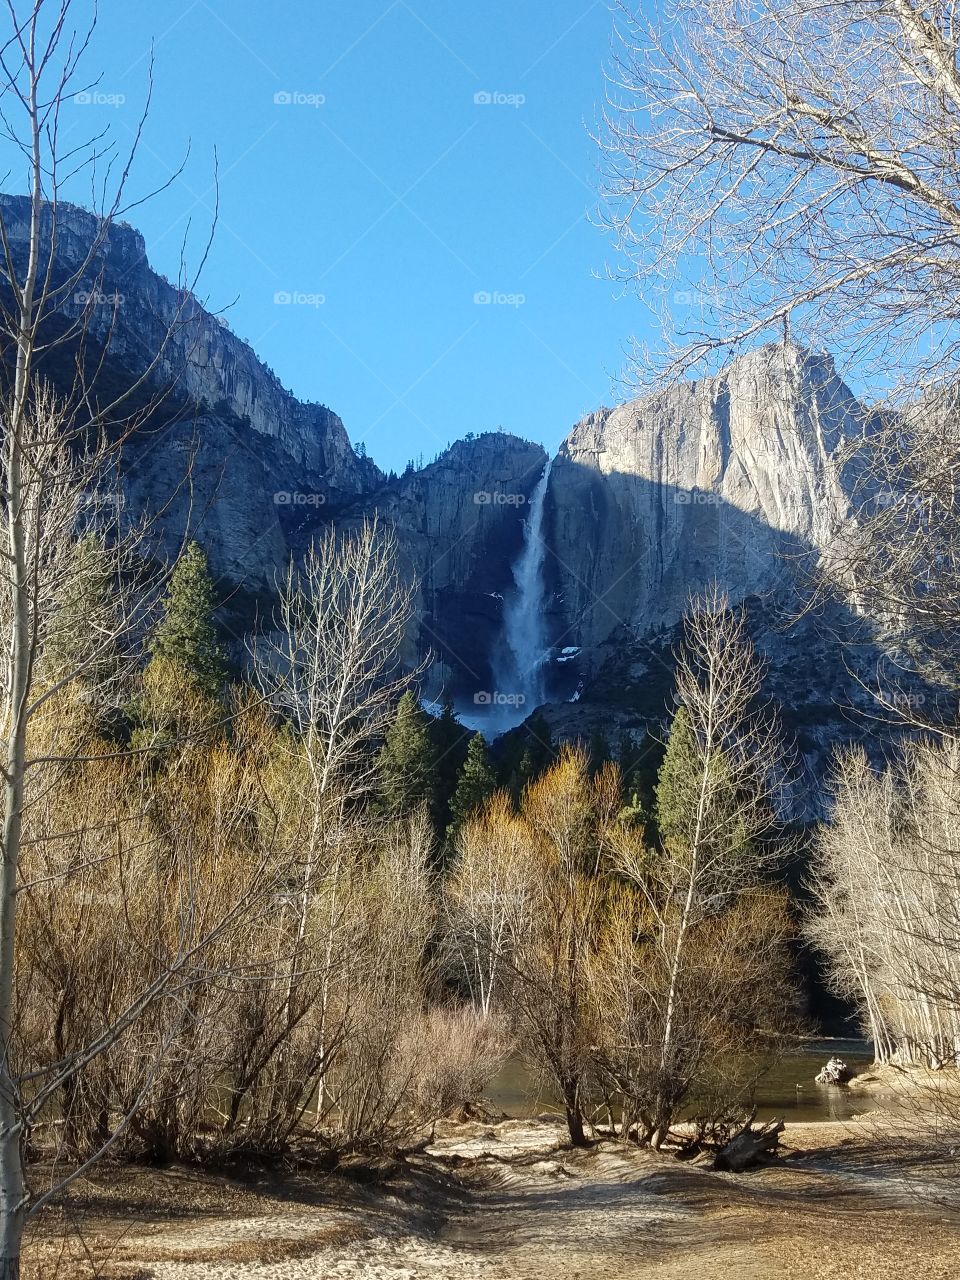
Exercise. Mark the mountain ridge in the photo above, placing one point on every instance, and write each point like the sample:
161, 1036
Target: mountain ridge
734, 478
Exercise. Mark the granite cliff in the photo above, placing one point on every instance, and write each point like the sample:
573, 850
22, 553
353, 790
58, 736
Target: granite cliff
459, 525
727, 478
251, 471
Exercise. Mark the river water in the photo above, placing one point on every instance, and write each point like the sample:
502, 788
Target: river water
514, 1091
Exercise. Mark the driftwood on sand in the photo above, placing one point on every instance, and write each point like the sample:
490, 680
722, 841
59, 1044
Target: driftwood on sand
749, 1146
835, 1072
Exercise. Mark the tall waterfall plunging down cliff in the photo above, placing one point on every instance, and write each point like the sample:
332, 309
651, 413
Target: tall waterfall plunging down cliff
519, 671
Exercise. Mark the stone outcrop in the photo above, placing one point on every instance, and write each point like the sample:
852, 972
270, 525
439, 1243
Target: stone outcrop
144, 320
459, 524
232, 458
226, 454
727, 478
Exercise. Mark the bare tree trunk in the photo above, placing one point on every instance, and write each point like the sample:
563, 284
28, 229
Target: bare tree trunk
14, 1197
13, 1194
574, 1113
48, 465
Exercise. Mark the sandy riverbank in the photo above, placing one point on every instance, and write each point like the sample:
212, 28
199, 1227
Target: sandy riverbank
511, 1202
890, 1080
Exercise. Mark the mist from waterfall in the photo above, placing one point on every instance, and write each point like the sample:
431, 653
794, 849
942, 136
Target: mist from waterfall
519, 671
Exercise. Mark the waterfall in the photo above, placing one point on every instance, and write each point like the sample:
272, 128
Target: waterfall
524, 652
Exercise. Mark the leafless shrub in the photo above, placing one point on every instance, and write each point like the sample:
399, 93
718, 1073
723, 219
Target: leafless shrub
456, 1052
887, 884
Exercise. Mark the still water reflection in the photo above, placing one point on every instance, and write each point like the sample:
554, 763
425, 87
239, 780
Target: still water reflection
514, 1091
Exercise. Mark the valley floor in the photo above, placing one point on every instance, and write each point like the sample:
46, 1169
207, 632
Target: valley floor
508, 1202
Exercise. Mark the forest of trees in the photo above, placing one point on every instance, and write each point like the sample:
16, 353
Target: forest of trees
254, 918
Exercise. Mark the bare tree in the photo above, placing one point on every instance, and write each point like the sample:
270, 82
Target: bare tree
898, 558
333, 666
525, 907
786, 169
641, 978
332, 670
53, 456
487, 901
887, 883
718, 797
801, 156
731, 1006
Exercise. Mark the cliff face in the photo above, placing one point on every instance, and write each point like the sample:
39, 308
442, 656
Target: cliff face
136, 314
728, 478
228, 454
741, 479
459, 524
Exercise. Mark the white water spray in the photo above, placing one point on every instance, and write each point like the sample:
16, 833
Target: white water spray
520, 670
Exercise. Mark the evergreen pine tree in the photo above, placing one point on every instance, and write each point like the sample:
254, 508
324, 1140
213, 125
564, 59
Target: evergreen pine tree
540, 744
678, 790
626, 754
450, 741
639, 768
186, 635
598, 751
679, 780
528, 753
477, 782
407, 760
523, 774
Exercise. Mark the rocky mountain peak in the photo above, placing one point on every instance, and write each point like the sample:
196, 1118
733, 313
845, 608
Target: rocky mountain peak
136, 312
714, 479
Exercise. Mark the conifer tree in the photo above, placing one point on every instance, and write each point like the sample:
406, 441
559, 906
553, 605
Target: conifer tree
477, 782
639, 768
598, 751
687, 783
450, 741
407, 760
529, 752
679, 781
186, 635
80, 641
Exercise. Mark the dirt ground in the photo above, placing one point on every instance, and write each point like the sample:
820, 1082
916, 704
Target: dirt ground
510, 1202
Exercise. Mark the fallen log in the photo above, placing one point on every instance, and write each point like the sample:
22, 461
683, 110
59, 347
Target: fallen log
749, 1147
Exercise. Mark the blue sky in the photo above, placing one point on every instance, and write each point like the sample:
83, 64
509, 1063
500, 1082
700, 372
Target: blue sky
386, 189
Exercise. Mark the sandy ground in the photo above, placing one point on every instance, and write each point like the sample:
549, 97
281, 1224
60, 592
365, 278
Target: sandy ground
510, 1202
891, 1082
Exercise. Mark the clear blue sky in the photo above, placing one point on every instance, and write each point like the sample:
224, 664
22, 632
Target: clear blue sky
397, 199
